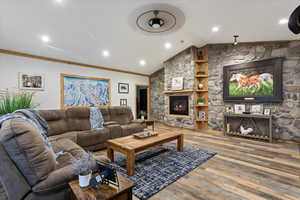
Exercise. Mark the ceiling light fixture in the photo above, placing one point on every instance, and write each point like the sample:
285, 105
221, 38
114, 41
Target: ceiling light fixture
105, 53
45, 38
168, 45
156, 22
59, 1
235, 39
215, 29
283, 21
142, 62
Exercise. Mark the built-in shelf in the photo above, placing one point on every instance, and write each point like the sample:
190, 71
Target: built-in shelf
201, 105
203, 121
201, 61
201, 90
201, 76
177, 91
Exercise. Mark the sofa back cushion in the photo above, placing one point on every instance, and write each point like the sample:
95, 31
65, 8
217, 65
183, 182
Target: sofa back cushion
78, 119
57, 121
105, 114
26, 148
121, 114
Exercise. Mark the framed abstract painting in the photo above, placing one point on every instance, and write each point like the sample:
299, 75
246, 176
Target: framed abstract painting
82, 91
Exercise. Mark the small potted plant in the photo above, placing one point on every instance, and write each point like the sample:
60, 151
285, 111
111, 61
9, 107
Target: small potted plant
143, 114
201, 101
83, 167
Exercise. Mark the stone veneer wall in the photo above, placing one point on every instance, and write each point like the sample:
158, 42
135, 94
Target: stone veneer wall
178, 66
157, 81
287, 114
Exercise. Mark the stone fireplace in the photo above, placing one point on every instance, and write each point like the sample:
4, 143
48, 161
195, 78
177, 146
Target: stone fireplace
179, 105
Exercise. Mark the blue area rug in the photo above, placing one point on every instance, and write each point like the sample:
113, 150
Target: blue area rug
160, 166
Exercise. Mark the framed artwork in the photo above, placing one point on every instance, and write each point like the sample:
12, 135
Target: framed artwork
177, 83
81, 91
257, 109
267, 111
123, 102
31, 81
239, 108
258, 81
123, 88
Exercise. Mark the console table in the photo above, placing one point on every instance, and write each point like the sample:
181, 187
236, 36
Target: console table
262, 125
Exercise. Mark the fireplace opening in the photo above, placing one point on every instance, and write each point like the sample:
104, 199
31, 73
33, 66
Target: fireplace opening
179, 105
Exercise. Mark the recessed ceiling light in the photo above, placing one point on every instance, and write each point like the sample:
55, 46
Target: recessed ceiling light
215, 29
142, 62
45, 38
283, 21
105, 53
59, 1
168, 45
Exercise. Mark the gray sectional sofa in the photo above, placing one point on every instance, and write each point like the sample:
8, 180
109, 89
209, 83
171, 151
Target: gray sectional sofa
28, 169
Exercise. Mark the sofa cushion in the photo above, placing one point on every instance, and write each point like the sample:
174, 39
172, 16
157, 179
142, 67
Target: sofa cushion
25, 146
67, 135
121, 114
131, 128
78, 119
105, 114
89, 138
57, 121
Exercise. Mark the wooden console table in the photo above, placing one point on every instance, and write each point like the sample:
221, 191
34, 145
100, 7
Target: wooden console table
262, 125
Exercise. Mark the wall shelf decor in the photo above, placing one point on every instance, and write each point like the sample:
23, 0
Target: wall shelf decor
201, 78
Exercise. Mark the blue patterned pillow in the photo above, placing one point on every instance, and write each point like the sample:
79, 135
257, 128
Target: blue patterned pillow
96, 119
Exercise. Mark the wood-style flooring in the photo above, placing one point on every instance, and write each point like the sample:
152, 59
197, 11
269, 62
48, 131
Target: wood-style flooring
242, 169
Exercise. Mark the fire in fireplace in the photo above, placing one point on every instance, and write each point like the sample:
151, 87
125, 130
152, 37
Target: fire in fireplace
179, 105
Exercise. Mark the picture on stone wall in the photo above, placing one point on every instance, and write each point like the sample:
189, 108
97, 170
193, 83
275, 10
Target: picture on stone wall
31, 81
259, 80
80, 91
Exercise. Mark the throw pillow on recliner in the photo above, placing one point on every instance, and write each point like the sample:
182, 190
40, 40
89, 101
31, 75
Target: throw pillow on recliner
25, 146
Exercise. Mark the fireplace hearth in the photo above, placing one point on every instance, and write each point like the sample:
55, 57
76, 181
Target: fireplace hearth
179, 105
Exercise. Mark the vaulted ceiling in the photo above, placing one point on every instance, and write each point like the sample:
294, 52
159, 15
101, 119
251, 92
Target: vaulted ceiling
79, 30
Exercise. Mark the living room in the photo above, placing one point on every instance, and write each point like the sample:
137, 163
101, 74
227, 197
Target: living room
149, 100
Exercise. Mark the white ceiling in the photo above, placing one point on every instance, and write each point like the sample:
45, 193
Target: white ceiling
80, 29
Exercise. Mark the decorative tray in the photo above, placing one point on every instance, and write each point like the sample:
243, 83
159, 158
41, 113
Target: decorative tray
145, 134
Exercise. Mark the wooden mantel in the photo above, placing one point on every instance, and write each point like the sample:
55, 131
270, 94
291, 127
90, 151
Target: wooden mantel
177, 91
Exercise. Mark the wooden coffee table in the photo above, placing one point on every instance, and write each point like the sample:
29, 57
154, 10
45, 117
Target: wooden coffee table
130, 146
103, 192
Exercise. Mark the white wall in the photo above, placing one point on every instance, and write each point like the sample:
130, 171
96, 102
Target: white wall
11, 66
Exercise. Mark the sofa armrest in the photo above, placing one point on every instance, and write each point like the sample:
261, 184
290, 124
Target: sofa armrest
139, 121
110, 123
56, 180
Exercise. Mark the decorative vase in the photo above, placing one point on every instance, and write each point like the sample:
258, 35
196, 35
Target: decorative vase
200, 86
84, 180
142, 118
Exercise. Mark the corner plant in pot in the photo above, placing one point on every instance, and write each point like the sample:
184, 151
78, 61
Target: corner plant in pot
12, 101
143, 114
83, 167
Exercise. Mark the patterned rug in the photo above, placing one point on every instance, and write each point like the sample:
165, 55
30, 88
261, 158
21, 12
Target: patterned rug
158, 167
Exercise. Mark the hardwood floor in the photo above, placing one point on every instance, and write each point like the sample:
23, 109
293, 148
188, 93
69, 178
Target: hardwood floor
242, 169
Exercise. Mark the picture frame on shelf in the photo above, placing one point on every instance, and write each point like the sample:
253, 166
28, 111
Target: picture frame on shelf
123, 102
257, 109
267, 111
123, 88
177, 83
239, 108
28, 81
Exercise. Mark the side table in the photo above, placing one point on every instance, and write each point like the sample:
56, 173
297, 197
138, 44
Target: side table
103, 192
149, 123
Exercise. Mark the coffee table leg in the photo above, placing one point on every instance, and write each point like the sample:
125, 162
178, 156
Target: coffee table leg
180, 143
130, 163
110, 154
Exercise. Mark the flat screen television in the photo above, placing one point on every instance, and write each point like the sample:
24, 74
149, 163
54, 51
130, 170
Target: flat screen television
258, 81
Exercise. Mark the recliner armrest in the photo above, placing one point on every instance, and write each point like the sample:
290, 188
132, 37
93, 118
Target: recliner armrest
139, 121
110, 123
56, 180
